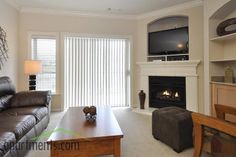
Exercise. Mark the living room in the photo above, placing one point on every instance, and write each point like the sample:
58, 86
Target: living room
204, 72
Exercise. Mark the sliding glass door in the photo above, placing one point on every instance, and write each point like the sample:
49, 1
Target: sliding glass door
96, 71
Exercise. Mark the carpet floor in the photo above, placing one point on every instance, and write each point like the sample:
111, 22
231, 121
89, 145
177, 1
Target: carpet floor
137, 142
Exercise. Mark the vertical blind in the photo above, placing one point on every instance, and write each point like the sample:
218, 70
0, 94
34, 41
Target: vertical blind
96, 71
44, 49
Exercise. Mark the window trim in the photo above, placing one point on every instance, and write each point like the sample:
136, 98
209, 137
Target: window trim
48, 35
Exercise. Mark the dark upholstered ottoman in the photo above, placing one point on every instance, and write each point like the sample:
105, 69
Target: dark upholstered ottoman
173, 126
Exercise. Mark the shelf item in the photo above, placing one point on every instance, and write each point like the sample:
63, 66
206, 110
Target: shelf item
221, 28
225, 37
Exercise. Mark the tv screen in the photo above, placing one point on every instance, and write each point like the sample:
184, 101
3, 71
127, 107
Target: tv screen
173, 41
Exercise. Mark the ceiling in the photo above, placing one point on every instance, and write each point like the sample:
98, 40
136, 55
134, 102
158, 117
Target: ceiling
128, 7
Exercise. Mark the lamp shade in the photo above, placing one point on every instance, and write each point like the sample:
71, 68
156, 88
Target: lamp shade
32, 67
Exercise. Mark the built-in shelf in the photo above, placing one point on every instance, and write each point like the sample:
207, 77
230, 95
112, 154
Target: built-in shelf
223, 83
222, 60
225, 37
172, 63
154, 56
221, 50
168, 57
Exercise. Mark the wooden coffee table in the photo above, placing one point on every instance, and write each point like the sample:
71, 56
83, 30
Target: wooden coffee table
74, 136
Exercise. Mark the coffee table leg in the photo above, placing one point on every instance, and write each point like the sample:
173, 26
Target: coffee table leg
117, 147
53, 151
53, 154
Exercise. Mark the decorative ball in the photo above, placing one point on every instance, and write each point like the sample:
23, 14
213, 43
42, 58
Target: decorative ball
86, 110
93, 110
90, 113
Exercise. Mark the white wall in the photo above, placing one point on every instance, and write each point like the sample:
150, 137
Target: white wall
33, 22
137, 29
9, 22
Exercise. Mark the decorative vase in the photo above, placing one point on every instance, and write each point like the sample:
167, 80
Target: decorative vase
228, 78
221, 28
142, 97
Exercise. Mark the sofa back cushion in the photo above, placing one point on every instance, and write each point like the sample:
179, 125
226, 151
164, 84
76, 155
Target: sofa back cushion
7, 90
31, 98
6, 86
5, 102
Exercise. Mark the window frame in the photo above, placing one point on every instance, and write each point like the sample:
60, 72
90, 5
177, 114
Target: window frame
47, 35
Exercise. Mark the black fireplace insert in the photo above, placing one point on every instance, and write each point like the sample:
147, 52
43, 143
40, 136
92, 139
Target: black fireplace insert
167, 91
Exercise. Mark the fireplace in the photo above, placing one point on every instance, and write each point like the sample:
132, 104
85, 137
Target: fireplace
186, 69
167, 91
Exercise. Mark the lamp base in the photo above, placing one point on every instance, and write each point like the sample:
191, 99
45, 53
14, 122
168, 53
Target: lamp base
32, 82
32, 87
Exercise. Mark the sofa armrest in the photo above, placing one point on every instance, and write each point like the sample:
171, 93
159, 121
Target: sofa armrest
31, 98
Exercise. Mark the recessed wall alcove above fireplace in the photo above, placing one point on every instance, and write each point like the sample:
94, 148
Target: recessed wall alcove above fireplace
185, 69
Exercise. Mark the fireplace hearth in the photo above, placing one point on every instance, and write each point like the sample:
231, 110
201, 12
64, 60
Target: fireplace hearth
167, 91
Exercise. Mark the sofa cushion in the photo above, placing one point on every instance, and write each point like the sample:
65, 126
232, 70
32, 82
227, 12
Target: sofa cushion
39, 112
6, 86
31, 98
1, 153
7, 140
19, 125
4, 102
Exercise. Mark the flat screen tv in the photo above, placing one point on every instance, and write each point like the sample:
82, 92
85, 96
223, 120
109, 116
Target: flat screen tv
173, 41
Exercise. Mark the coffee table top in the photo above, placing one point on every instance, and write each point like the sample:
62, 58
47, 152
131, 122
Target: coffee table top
73, 125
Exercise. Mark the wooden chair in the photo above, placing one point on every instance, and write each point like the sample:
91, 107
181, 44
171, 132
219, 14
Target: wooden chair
201, 121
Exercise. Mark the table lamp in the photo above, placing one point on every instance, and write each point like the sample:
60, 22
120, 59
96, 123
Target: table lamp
32, 67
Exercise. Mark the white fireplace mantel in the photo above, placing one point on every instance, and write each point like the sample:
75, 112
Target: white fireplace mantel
187, 69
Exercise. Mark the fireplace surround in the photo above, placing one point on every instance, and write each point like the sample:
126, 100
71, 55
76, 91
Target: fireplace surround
187, 69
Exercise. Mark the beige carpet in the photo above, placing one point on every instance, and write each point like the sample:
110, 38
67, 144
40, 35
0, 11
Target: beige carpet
137, 141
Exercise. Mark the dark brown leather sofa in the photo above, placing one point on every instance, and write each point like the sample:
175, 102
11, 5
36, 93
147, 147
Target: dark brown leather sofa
23, 116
